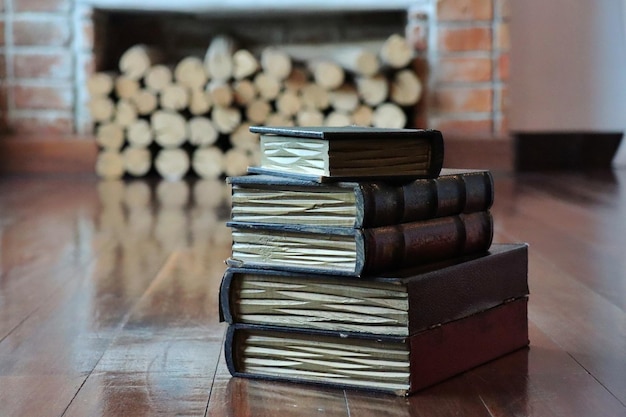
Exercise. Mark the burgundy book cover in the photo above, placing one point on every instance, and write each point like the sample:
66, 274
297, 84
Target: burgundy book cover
434, 355
445, 351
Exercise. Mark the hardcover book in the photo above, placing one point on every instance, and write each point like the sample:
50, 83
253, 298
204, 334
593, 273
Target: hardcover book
359, 252
400, 365
285, 200
398, 304
350, 152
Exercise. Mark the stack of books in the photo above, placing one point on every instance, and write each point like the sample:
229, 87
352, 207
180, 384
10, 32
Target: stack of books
358, 262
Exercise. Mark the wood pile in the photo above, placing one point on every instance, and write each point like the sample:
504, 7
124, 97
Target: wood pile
194, 116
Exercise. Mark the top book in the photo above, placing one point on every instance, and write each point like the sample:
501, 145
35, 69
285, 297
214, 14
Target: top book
350, 152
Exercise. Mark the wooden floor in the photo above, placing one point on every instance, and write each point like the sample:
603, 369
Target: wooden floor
108, 306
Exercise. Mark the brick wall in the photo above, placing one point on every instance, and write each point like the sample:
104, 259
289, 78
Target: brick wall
467, 46
43, 50
46, 53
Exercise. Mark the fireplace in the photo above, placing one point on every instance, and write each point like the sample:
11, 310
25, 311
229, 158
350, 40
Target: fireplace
52, 47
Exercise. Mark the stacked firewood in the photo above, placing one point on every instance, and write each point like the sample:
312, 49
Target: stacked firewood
194, 116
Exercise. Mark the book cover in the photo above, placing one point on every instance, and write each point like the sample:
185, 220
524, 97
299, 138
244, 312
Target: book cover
394, 304
350, 152
397, 365
359, 252
287, 200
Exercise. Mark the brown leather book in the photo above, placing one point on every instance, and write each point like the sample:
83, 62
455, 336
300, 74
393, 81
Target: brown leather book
350, 152
359, 252
398, 365
395, 304
286, 200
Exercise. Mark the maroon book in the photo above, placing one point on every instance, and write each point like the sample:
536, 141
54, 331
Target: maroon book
399, 303
398, 365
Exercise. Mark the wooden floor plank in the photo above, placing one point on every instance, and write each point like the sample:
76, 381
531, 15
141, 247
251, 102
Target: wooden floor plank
109, 307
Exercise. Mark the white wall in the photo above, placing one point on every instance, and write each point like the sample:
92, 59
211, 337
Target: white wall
568, 66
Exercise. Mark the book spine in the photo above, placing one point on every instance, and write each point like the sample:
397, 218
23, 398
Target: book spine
410, 244
448, 350
447, 294
225, 313
384, 204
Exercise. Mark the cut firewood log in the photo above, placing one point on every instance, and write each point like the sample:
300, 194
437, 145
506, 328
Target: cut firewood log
242, 138
389, 115
199, 102
170, 128
288, 103
172, 194
135, 61
145, 102
220, 92
396, 52
257, 111
137, 161
190, 73
236, 162
126, 87
406, 88
100, 84
125, 113
225, 119
359, 58
297, 80
314, 96
363, 115
309, 117
109, 165
267, 86
101, 109
208, 162
277, 119
276, 63
172, 164
245, 64
158, 77
174, 97
336, 118
201, 131
373, 90
110, 136
139, 134
344, 98
244, 92
218, 60
327, 73
356, 60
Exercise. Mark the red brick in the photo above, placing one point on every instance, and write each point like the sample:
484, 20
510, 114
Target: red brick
41, 6
36, 65
41, 123
463, 99
503, 67
464, 39
454, 10
480, 127
48, 32
43, 98
503, 36
464, 69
